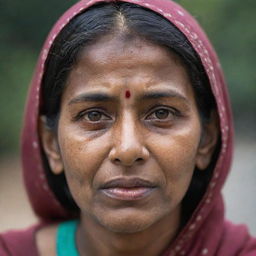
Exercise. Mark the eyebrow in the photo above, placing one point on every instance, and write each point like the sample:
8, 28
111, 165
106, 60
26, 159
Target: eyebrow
93, 97
162, 94
104, 97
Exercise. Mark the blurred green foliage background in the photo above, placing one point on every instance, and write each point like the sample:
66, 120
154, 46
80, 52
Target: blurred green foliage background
230, 24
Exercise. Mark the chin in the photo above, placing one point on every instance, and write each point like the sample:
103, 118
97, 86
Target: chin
128, 221
127, 224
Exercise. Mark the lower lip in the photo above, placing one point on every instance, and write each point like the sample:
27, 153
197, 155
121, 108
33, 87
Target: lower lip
128, 194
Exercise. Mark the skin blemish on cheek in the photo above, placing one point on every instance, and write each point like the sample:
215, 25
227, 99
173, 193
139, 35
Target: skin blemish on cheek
127, 94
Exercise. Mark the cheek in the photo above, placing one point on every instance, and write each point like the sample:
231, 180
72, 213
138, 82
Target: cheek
82, 156
176, 156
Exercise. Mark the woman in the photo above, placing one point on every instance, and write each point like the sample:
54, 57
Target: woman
128, 136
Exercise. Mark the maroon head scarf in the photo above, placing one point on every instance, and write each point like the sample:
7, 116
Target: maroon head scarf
206, 233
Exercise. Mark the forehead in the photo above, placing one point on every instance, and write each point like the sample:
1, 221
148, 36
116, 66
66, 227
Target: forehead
137, 63
115, 49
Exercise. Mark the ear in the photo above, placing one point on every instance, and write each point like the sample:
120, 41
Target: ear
50, 146
208, 142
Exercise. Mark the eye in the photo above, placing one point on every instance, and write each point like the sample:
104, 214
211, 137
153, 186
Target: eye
162, 114
94, 116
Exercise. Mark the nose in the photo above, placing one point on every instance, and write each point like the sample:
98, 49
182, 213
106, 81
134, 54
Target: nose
128, 147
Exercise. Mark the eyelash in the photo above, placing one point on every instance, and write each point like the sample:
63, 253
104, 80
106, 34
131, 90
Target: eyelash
174, 112
82, 114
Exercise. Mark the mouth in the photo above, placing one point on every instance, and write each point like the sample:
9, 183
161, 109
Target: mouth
128, 189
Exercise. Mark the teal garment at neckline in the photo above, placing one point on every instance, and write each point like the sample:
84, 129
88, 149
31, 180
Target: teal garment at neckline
66, 242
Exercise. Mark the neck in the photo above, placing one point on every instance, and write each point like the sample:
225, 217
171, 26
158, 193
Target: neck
94, 239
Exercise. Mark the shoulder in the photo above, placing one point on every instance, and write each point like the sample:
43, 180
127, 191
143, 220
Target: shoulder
19, 242
238, 239
29, 241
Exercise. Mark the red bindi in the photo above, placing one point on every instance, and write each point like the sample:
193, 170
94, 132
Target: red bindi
127, 94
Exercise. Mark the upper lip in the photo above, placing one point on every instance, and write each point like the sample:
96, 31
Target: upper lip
127, 183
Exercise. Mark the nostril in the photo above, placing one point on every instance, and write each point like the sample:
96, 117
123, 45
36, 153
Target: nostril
117, 161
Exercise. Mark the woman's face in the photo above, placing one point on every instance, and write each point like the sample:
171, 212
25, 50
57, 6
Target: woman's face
128, 135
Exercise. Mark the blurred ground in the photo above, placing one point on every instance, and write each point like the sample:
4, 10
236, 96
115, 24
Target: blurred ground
239, 191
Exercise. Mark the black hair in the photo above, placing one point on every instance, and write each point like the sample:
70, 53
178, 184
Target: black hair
130, 19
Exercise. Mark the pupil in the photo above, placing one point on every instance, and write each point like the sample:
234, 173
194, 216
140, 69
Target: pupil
94, 116
162, 113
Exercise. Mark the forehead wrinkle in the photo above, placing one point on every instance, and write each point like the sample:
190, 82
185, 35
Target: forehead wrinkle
104, 65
